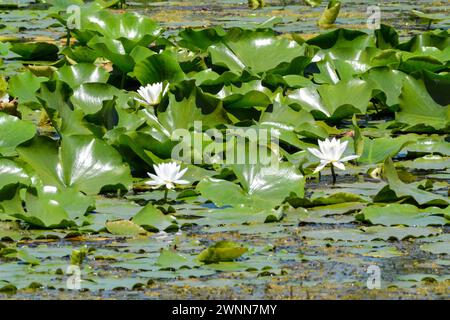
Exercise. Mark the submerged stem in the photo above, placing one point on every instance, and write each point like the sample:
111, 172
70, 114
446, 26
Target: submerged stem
122, 82
333, 173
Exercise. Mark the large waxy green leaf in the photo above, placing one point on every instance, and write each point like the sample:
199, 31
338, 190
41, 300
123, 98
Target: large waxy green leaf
35, 50
343, 63
343, 38
262, 186
152, 218
388, 81
202, 38
404, 214
14, 132
24, 86
402, 189
222, 251
82, 73
114, 36
114, 51
251, 94
335, 100
418, 108
387, 37
287, 122
182, 114
270, 182
89, 97
223, 192
43, 211
55, 97
355, 93
282, 113
377, 150
11, 173
131, 29
82, 162
48, 207
158, 68
256, 51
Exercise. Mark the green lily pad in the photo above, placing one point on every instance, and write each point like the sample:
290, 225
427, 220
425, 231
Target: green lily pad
372, 233
153, 219
404, 214
222, 251
418, 108
169, 259
437, 248
124, 228
402, 189
81, 73
84, 163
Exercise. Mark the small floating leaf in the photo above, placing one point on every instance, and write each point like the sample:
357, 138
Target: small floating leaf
222, 251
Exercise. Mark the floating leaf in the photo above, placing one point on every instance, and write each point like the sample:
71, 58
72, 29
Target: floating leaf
124, 228
402, 189
152, 218
377, 150
222, 251
372, 233
404, 214
173, 260
262, 186
437, 248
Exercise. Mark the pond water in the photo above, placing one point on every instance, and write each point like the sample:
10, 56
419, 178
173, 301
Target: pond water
29, 21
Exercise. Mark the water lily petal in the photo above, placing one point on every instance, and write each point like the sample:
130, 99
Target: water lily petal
181, 182
316, 152
181, 173
348, 158
339, 165
321, 166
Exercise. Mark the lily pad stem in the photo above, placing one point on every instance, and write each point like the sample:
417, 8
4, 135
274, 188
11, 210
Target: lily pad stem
165, 195
333, 174
122, 82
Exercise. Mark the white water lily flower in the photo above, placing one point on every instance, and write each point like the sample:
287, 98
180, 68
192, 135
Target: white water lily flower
167, 174
4, 98
152, 94
331, 152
